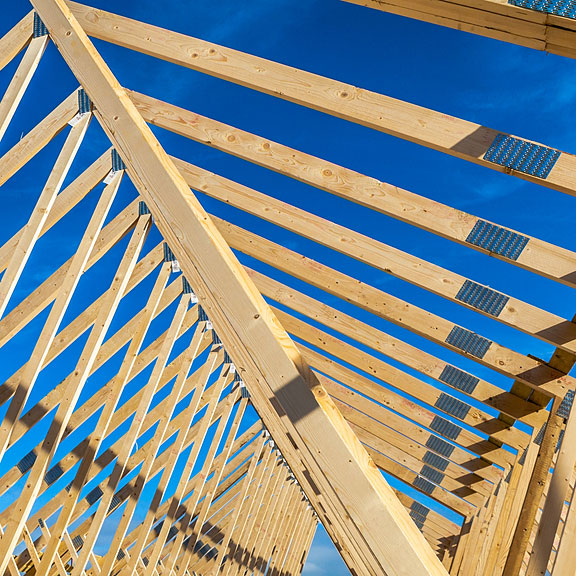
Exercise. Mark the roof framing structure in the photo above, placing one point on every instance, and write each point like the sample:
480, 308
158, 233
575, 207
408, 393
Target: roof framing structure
209, 410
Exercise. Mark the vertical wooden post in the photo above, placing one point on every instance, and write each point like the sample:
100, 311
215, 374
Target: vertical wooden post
536, 487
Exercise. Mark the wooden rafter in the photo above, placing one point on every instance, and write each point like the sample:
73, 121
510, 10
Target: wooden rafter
253, 400
134, 142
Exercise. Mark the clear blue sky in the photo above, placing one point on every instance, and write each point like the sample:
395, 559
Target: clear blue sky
503, 86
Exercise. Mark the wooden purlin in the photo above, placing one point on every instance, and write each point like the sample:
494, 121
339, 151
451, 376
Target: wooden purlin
361, 547
435, 279
410, 356
536, 29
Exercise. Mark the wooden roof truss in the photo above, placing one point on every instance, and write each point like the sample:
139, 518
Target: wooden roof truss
238, 409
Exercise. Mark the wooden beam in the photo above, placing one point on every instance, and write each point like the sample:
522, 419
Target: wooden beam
96, 439
531, 28
436, 130
214, 393
16, 39
266, 514
549, 441
49, 330
233, 470
44, 204
267, 359
532, 372
554, 502
21, 509
403, 382
47, 292
565, 564
541, 257
234, 557
410, 356
20, 81
366, 416
38, 137
527, 318
65, 201
518, 483
106, 458
210, 494
246, 486
112, 482
111, 346
146, 525
464, 443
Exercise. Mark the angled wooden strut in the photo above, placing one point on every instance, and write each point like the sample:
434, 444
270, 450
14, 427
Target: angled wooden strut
448, 134
339, 478
16, 39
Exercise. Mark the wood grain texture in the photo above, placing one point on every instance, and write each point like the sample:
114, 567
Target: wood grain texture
348, 481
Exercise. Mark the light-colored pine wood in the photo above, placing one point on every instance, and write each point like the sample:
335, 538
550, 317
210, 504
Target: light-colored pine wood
61, 569
249, 484
236, 308
554, 502
12, 566
233, 470
20, 511
177, 394
50, 328
98, 436
47, 292
65, 201
38, 138
148, 521
131, 436
438, 280
210, 491
410, 356
531, 28
16, 39
534, 492
214, 392
265, 515
242, 533
387, 373
539, 256
20, 81
529, 371
338, 412
430, 128
565, 562
37, 221
388, 345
